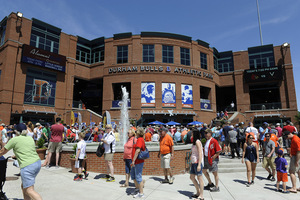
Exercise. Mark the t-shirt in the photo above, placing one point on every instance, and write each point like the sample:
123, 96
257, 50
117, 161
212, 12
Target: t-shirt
110, 139
262, 135
232, 136
184, 132
38, 132
268, 148
4, 133
24, 149
69, 132
140, 143
166, 144
148, 137
226, 129
274, 138
57, 131
82, 146
289, 128
128, 148
177, 136
46, 131
295, 145
279, 129
206, 147
252, 130
280, 164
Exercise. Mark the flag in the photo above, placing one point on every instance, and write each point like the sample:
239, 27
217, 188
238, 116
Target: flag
80, 121
72, 118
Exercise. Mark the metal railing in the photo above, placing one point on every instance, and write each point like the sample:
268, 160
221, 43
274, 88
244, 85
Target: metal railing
266, 106
77, 104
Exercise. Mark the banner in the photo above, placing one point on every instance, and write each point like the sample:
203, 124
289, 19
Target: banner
72, 118
168, 95
205, 104
148, 94
187, 96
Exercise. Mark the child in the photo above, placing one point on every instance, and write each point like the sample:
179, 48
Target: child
81, 146
281, 166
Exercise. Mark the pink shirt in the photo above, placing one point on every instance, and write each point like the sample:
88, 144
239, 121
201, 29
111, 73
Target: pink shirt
57, 131
128, 148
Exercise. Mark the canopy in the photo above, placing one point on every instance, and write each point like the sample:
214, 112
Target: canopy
156, 123
171, 123
195, 123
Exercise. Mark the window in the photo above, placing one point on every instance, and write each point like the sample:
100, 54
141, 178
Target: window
225, 62
122, 54
44, 36
167, 54
184, 56
148, 53
90, 51
2, 34
98, 54
40, 88
83, 53
203, 60
261, 57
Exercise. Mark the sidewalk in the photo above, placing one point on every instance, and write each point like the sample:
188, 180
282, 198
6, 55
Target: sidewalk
58, 184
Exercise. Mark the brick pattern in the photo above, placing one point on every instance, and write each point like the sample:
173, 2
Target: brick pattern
151, 166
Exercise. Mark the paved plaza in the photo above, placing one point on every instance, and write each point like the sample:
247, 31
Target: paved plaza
58, 184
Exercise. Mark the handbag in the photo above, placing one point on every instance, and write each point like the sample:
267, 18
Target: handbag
143, 155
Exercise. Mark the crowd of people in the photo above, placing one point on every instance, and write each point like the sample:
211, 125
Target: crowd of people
208, 143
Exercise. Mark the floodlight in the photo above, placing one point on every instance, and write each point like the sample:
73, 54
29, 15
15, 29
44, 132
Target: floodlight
19, 14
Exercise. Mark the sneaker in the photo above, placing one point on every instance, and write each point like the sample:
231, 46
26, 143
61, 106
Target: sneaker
135, 191
215, 189
47, 166
110, 179
269, 177
105, 177
248, 184
272, 179
252, 182
171, 180
209, 186
78, 178
138, 195
86, 174
165, 181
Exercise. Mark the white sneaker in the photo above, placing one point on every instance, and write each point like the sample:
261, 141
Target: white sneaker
138, 195
136, 191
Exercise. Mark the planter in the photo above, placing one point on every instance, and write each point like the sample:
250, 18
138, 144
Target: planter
72, 161
41, 153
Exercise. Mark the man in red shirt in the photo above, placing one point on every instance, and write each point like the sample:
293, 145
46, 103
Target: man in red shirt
212, 150
295, 159
55, 144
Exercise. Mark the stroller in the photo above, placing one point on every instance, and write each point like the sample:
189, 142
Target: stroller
3, 166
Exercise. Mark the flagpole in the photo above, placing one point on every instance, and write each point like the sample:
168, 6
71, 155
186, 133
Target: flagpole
258, 15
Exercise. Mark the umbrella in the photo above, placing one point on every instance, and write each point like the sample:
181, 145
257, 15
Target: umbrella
195, 123
156, 123
171, 123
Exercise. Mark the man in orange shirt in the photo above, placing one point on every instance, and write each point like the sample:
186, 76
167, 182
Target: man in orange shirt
148, 137
166, 153
295, 159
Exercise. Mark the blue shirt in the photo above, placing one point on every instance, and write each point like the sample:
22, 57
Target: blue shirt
177, 136
280, 164
262, 136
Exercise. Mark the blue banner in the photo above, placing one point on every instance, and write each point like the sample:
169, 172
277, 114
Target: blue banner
187, 96
117, 104
205, 104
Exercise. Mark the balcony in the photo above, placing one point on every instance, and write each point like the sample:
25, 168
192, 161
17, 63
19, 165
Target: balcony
77, 104
266, 106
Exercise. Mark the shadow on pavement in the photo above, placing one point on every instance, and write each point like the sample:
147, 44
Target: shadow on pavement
99, 176
156, 179
261, 178
129, 191
271, 188
186, 193
240, 181
130, 184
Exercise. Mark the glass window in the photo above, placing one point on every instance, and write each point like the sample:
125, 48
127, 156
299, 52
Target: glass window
44, 38
203, 60
225, 62
261, 57
184, 56
167, 54
2, 34
122, 54
148, 53
40, 87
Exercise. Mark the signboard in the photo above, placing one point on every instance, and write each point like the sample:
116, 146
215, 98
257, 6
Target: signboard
187, 96
205, 104
148, 94
168, 95
42, 58
117, 104
264, 74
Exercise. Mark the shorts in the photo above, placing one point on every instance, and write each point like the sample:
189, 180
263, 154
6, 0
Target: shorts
282, 177
127, 165
269, 162
165, 160
80, 163
29, 173
293, 169
136, 172
213, 167
55, 147
227, 142
194, 169
255, 160
108, 156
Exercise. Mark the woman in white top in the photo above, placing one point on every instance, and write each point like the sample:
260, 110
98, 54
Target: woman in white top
155, 137
30, 128
197, 165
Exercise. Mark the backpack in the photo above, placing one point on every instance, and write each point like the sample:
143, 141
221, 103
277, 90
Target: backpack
100, 150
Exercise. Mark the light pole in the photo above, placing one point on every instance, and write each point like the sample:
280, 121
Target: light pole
258, 15
283, 50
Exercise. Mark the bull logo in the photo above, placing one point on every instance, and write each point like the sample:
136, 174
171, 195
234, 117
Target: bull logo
42, 90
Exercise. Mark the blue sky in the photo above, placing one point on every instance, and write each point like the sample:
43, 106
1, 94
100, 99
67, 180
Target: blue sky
225, 25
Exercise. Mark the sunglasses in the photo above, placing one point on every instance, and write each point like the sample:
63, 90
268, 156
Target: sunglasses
267, 136
251, 138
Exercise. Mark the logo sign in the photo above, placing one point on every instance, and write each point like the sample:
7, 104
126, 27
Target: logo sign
264, 74
42, 58
205, 104
187, 96
148, 94
117, 104
168, 95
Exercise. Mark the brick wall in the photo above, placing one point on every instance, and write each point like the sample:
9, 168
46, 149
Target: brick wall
151, 166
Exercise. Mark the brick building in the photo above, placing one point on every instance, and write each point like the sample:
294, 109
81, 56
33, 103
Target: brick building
46, 73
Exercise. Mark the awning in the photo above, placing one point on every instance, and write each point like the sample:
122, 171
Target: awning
268, 115
38, 110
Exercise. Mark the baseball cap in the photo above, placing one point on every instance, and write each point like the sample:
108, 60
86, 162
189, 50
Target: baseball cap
265, 123
278, 124
286, 133
164, 129
288, 121
208, 130
20, 127
37, 124
280, 151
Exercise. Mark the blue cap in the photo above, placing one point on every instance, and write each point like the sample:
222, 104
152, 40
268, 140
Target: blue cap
280, 152
20, 127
